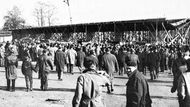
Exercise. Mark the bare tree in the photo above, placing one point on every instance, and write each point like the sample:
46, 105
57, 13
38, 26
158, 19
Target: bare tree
44, 13
49, 14
13, 19
37, 15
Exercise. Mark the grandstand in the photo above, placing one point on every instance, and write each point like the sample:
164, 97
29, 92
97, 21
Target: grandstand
147, 30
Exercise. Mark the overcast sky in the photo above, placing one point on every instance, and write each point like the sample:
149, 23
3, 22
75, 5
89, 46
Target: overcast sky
87, 11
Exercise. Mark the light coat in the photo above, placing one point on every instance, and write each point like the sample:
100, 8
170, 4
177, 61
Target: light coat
88, 90
11, 64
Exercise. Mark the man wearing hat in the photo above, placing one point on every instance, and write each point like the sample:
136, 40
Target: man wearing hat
45, 65
183, 87
70, 58
80, 59
88, 89
137, 92
60, 61
152, 60
110, 65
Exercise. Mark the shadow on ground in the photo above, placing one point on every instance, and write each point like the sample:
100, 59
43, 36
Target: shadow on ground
38, 89
159, 81
164, 97
121, 77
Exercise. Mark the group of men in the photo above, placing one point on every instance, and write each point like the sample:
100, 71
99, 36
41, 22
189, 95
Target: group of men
91, 61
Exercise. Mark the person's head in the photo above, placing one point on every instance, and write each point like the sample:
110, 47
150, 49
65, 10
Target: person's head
183, 66
90, 64
131, 67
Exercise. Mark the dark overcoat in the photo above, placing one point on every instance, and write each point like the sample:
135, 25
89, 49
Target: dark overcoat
137, 91
80, 58
60, 59
45, 65
121, 57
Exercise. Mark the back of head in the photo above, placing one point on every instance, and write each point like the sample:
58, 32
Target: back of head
183, 66
89, 64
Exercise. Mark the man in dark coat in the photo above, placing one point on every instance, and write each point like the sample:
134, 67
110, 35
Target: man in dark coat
158, 57
152, 61
80, 59
27, 70
162, 60
176, 71
143, 61
110, 65
137, 88
45, 65
60, 62
121, 60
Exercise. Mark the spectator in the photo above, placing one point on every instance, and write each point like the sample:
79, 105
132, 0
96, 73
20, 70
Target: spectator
70, 58
88, 88
121, 57
176, 71
27, 68
110, 65
137, 88
80, 59
183, 88
11, 63
91, 57
45, 65
60, 62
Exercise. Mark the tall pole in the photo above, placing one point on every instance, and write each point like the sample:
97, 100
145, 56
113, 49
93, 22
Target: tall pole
68, 4
156, 31
70, 14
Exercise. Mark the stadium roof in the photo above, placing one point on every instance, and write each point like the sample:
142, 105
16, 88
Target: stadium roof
118, 26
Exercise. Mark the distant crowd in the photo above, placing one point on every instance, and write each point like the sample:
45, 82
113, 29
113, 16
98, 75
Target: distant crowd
100, 61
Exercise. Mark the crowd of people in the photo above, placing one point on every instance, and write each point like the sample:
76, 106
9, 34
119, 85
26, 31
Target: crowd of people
100, 62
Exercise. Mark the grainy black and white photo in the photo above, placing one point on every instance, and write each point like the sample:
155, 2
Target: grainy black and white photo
94, 53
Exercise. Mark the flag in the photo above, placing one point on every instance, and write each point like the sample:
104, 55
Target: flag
66, 1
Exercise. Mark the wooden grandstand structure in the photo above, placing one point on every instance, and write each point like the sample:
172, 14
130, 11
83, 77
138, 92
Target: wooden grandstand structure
147, 30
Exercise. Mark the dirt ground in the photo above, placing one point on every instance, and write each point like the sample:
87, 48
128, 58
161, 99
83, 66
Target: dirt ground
62, 91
